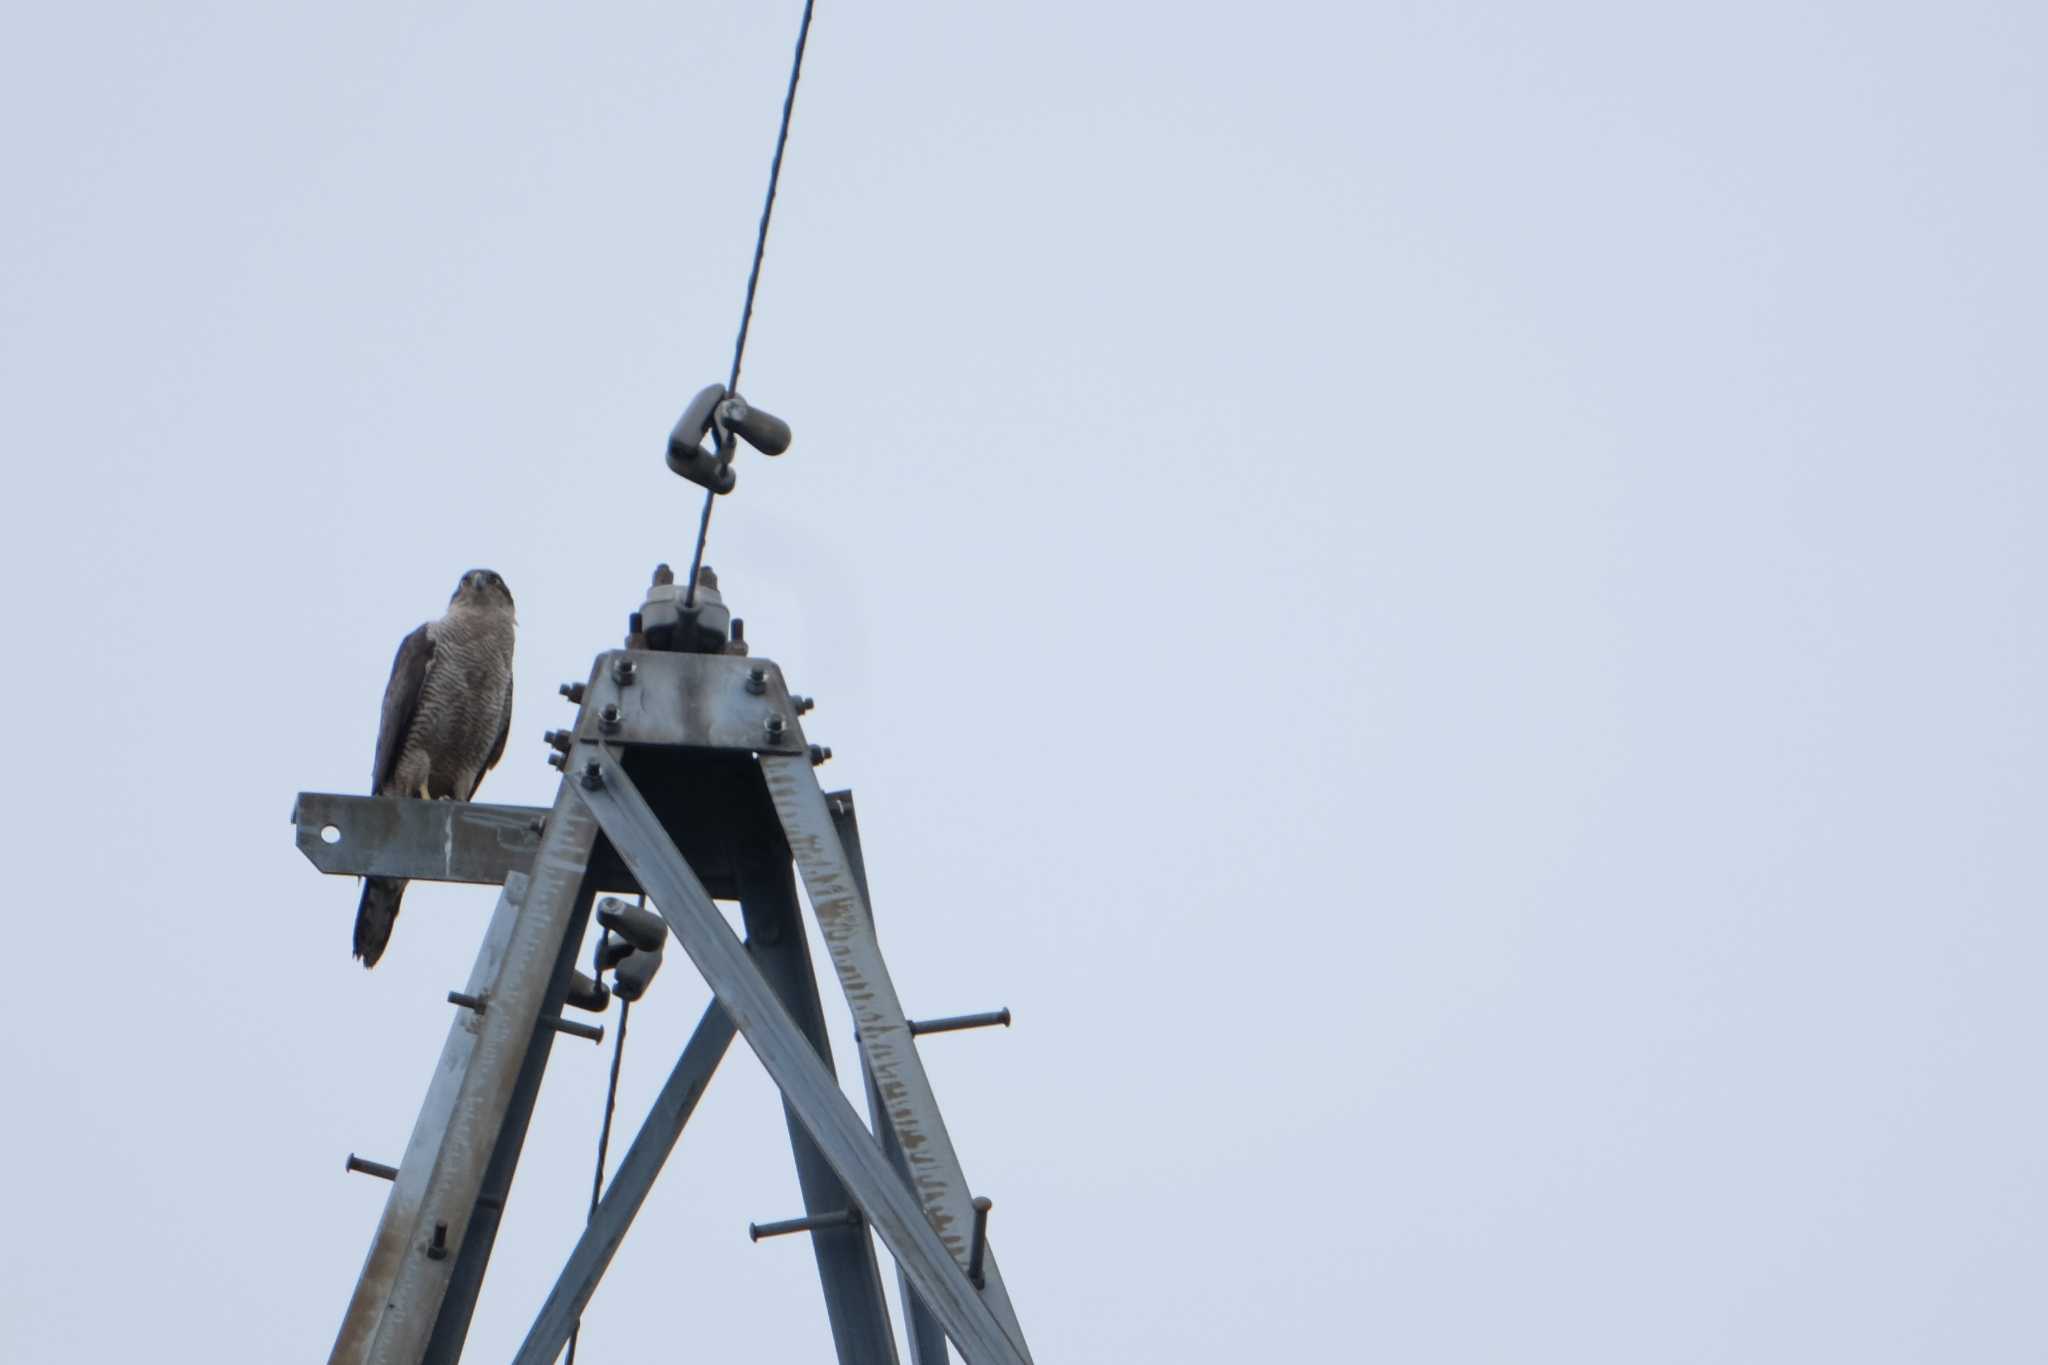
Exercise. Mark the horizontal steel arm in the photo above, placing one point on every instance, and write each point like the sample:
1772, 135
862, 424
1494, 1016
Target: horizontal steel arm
394, 836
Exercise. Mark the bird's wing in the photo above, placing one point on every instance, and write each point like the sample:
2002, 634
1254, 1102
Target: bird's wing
497, 745
401, 700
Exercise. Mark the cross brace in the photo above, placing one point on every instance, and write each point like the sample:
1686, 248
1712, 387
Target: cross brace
733, 799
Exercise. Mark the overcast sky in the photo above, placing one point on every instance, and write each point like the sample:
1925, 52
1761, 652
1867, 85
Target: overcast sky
1444, 599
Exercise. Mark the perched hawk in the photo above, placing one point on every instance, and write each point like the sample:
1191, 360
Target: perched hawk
446, 712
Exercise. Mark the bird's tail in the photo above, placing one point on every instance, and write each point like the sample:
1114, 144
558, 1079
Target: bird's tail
375, 915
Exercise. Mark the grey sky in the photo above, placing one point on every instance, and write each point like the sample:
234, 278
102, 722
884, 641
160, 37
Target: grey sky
1443, 599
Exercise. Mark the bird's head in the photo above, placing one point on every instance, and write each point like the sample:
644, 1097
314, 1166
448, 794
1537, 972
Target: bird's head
482, 588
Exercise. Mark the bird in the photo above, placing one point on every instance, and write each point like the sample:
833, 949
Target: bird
447, 711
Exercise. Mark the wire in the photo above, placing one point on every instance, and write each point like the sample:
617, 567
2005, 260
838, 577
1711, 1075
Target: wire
739, 345
604, 1133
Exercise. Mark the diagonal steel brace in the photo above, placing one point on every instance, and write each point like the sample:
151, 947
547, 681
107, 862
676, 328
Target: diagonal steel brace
810, 1090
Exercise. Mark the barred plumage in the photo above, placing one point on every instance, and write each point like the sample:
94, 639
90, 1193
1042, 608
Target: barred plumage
447, 710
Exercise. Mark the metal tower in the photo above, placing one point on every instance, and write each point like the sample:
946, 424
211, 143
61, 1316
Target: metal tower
686, 777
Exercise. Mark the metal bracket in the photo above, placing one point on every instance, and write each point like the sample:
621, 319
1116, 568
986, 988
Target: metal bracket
395, 836
705, 701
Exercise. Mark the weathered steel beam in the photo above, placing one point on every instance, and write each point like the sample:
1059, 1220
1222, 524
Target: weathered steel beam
840, 904
401, 1206
490, 1078
466, 1282
812, 1094
391, 836
852, 1281
628, 1190
927, 1339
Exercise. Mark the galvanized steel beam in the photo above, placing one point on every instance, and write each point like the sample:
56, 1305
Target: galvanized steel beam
406, 1315
859, 1314
393, 836
922, 1330
408, 1187
458, 1305
813, 1095
628, 1191
840, 904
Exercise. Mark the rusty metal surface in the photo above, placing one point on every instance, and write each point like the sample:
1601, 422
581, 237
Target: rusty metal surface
812, 1094
391, 836
516, 993
402, 1205
699, 700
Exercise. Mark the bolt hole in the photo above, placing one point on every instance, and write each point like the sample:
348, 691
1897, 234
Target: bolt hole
330, 834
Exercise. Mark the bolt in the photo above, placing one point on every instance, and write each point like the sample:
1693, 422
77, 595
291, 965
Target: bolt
573, 691
593, 775
623, 671
820, 754
560, 739
803, 705
559, 762
608, 718
362, 1166
757, 680
438, 1250
775, 725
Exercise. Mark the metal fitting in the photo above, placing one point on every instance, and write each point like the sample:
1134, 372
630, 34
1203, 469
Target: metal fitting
623, 671
775, 726
560, 739
360, 1166
437, 1250
954, 1023
594, 1032
573, 691
820, 754
468, 1002
593, 775
845, 1218
559, 762
979, 1248
757, 680
608, 718
802, 704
